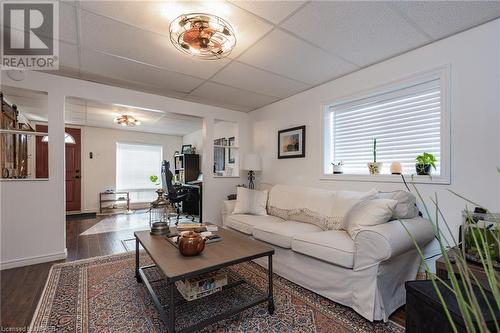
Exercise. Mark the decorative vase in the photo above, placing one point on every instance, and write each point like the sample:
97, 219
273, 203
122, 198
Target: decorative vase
190, 243
374, 167
337, 169
423, 169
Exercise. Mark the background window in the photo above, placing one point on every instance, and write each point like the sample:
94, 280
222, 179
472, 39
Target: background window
134, 164
406, 121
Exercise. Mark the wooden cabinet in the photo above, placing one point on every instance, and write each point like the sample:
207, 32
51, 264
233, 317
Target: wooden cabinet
13, 147
186, 167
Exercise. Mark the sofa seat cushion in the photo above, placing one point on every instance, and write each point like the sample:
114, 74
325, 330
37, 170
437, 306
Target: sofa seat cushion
245, 223
333, 246
281, 233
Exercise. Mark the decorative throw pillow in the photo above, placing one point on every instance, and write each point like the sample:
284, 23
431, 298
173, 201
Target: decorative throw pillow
368, 213
343, 201
407, 204
250, 202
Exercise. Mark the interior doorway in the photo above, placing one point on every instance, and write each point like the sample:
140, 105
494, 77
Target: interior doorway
72, 139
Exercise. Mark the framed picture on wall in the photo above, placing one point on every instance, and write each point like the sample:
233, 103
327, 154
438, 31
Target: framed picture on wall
230, 153
292, 142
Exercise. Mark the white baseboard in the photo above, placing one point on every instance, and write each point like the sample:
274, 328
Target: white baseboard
33, 260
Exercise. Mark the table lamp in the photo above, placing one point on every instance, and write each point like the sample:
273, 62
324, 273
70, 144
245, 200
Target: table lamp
251, 163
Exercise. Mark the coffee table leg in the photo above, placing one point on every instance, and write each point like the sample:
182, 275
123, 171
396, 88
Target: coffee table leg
270, 303
137, 275
171, 309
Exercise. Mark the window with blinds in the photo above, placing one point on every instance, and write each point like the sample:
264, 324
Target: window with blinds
134, 164
406, 122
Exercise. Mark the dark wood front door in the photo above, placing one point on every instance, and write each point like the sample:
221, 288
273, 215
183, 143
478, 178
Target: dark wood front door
73, 165
73, 171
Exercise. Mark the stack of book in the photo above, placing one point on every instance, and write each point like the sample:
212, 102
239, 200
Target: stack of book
201, 286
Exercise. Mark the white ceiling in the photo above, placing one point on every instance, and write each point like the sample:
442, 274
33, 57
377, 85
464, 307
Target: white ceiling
282, 47
33, 105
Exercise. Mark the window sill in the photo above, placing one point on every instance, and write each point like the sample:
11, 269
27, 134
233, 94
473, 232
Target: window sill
388, 178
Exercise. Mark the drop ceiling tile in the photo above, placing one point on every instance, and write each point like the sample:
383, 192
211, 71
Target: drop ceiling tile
147, 15
103, 34
202, 100
361, 32
274, 11
242, 76
67, 23
68, 56
229, 96
121, 69
289, 56
443, 18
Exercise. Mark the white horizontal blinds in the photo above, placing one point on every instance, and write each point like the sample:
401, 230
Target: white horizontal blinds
406, 123
135, 163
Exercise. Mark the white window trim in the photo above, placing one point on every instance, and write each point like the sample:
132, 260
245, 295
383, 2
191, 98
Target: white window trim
443, 72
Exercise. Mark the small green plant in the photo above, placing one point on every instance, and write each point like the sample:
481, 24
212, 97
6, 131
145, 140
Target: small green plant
338, 163
154, 180
426, 159
374, 150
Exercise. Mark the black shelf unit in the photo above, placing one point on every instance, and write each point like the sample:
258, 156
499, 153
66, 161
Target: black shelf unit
186, 167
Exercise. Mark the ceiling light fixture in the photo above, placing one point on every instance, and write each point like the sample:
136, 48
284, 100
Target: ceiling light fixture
126, 120
204, 36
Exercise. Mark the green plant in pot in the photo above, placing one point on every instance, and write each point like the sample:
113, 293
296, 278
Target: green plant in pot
423, 164
374, 167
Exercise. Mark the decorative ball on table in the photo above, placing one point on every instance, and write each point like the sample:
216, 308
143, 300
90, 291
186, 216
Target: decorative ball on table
396, 168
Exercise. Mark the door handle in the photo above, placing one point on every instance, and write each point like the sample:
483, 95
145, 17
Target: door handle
77, 177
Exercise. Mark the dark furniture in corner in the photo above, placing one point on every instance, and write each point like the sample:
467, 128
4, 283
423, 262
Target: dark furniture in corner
425, 313
186, 167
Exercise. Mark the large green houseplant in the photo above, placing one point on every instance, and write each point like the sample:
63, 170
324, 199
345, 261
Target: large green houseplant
462, 284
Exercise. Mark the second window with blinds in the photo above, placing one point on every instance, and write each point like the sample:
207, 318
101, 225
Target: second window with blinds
407, 119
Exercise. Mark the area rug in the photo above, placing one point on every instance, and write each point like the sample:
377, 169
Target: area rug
101, 295
133, 222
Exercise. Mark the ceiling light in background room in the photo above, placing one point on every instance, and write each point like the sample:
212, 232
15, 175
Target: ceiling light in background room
126, 120
204, 36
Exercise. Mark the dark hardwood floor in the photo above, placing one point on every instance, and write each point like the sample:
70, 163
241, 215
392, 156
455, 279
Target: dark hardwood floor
22, 287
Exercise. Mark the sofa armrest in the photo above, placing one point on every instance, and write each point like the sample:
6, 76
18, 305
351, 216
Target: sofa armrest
378, 243
227, 209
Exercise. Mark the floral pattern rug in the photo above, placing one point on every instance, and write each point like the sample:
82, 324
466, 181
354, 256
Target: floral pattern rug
101, 295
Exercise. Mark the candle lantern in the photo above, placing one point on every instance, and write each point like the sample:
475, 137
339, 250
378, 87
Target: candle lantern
159, 215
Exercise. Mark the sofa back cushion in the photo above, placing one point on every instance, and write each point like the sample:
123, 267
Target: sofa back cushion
407, 204
250, 202
323, 208
302, 204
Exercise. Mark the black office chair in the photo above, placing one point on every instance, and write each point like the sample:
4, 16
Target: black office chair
174, 194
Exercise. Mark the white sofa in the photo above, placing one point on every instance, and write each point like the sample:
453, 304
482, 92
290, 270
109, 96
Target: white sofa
366, 274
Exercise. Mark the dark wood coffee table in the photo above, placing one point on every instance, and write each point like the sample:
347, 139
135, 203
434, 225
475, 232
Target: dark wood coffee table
232, 250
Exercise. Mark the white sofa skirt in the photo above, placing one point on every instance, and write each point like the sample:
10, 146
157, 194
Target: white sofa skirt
374, 292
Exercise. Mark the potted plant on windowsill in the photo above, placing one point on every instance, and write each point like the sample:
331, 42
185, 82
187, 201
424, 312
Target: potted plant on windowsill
423, 164
338, 168
374, 167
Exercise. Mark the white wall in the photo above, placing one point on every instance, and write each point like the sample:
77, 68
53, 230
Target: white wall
222, 129
99, 173
195, 139
474, 59
32, 217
